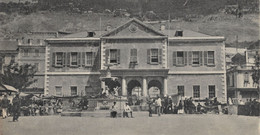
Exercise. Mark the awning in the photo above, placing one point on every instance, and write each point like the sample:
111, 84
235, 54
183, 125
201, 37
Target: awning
7, 88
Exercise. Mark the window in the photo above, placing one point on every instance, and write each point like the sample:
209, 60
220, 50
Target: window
25, 52
211, 58
74, 91
180, 90
36, 52
36, 66
89, 58
246, 79
212, 92
196, 91
133, 56
180, 58
59, 59
113, 56
58, 90
74, 59
195, 58
154, 56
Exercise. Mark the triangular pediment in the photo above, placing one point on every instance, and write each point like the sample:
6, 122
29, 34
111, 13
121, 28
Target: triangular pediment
133, 28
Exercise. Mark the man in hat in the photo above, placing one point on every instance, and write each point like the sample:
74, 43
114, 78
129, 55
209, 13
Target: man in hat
127, 110
16, 107
4, 105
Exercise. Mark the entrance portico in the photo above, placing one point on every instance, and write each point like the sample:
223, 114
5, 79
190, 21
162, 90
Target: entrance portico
145, 79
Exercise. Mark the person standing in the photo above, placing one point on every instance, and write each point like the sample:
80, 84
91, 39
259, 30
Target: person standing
150, 102
114, 110
158, 103
4, 105
16, 107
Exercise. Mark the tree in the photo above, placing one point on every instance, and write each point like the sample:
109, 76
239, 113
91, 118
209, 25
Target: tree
18, 76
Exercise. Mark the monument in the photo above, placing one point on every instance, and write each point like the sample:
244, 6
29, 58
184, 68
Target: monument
109, 95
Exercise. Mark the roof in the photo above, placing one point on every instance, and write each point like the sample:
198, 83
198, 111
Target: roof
255, 45
84, 34
136, 21
8, 45
239, 59
186, 33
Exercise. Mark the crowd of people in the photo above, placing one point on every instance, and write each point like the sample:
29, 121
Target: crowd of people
20, 105
166, 105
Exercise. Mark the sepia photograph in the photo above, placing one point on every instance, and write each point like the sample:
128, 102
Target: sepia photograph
129, 67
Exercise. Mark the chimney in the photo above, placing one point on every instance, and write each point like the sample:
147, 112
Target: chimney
91, 34
179, 33
162, 27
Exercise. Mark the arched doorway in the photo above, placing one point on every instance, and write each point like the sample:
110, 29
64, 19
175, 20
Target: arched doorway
154, 88
134, 92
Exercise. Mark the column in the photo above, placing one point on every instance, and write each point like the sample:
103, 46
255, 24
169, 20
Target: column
165, 86
124, 91
144, 87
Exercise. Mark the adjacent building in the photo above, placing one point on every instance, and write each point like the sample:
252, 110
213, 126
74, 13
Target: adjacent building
32, 50
240, 81
8, 52
145, 60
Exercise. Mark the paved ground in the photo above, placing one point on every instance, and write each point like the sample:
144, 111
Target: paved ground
164, 125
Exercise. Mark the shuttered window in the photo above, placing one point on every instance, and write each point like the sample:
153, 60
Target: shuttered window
195, 58
74, 90
59, 59
180, 58
180, 90
211, 58
154, 56
113, 56
196, 91
90, 57
74, 59
133, 56
212, 91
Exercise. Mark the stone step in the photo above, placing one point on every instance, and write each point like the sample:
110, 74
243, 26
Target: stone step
101, 114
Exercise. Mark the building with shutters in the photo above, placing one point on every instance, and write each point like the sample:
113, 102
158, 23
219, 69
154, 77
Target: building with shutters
31, 50
145, 60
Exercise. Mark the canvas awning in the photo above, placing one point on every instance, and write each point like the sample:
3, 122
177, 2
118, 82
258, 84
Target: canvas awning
7, 88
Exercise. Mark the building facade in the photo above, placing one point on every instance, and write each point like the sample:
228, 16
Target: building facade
32, 50
146, 62
8, 53
241, 84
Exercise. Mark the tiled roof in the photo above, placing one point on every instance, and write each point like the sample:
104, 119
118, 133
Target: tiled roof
7, 45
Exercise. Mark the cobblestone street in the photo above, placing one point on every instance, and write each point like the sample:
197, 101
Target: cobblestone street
166, 124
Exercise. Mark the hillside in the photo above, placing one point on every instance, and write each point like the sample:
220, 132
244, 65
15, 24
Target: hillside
246, 28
